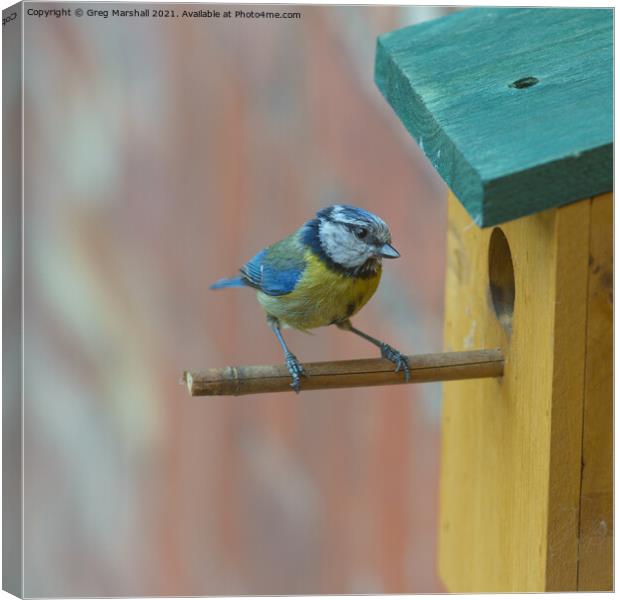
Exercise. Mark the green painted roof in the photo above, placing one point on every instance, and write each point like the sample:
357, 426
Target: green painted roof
513, 107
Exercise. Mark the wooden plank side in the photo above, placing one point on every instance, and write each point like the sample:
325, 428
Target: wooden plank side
507, 523
596, 521
462, 93
572, 238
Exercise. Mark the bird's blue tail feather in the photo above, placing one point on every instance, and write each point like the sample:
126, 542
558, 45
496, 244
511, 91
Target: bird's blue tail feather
226, 283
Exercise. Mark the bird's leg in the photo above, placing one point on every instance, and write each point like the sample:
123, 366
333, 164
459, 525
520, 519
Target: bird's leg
393, 355
292, 364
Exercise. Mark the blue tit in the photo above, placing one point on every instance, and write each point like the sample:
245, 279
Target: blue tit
322, 274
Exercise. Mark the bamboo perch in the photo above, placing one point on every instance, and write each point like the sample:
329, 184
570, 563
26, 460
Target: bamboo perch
444, 366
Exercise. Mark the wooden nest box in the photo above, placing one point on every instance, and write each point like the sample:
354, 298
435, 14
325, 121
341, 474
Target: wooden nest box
513, 107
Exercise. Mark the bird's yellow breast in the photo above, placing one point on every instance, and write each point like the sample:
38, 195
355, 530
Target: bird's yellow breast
321, 297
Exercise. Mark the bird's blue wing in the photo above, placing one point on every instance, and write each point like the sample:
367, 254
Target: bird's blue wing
252, 272
276, 269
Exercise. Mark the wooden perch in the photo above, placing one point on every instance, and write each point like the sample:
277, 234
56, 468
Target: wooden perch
444, 366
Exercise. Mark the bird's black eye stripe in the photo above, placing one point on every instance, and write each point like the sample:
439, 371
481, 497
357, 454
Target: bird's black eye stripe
359, 231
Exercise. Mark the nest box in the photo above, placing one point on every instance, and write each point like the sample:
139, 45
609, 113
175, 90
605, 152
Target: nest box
513, 107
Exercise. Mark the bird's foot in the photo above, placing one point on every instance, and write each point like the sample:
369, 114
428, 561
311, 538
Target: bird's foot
400, 360
295, 369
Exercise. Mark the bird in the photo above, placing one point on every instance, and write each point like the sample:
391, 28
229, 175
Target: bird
321, 275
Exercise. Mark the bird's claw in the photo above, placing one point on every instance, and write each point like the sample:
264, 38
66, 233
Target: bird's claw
400, 360
296, 370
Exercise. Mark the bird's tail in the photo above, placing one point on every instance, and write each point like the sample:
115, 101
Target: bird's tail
226, 283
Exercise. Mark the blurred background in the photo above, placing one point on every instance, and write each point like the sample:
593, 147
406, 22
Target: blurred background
160, 155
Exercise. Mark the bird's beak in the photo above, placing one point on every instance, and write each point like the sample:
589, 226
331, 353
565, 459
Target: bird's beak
388, 251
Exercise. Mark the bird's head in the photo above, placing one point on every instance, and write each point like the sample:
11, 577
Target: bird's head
353, 238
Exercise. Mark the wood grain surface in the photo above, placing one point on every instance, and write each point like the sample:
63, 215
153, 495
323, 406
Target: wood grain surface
596, 512
515, 514
513, 107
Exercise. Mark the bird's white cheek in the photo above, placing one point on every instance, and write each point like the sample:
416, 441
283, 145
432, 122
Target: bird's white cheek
348, 255
341, 247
